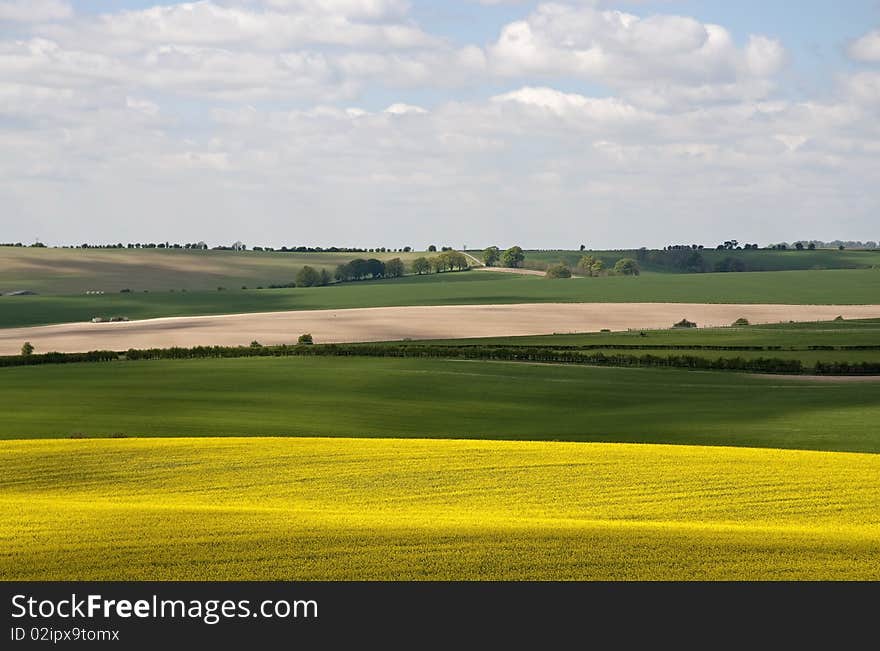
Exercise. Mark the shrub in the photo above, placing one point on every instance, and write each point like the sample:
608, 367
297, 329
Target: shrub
305, 339
558, 271
742, 321
684, 323
627, 267
308, 277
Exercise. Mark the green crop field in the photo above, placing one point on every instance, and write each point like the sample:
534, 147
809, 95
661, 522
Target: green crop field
778, 340
861, 286
435, 398
76, 271
758, 260
301, 509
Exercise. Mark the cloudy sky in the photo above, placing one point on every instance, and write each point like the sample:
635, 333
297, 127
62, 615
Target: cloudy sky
406, 122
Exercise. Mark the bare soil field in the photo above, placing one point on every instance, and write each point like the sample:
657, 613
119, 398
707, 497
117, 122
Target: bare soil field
395, 323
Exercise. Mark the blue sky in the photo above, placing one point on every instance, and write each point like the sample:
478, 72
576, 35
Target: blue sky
331, 121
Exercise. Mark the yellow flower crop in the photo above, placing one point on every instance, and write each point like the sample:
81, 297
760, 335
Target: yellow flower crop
431, 509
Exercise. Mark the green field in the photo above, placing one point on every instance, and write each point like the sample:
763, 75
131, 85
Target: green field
435, 398
465, 288
758, 260
75, 271
779, 340
304, 509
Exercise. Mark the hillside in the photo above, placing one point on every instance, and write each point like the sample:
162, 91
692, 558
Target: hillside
76, 271
751, 260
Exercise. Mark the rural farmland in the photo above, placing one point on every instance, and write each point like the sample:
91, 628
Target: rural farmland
499, 426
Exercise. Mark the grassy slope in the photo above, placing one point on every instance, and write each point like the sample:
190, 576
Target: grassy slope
795, 287
74, 271
754, 260
414, 398
354, 509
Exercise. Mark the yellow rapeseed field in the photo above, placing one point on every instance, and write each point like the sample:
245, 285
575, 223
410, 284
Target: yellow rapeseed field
177, 509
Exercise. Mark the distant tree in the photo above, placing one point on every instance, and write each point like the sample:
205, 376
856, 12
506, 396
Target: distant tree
684, 323
491, 255
421, 266
394, 268
342, 273
256, 344
376, 268
742, 321
27, 349
811, 246
841, 247
325, 277
583, 247
627, 267
305, 340
590, 265
799, 246
432, 248
308, 277
558, 271
407, 249
513, 257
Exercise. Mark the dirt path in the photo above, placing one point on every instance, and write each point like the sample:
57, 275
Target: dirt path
392, 323
509, 270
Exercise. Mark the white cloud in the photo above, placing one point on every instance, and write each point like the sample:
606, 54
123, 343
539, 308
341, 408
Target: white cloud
657, 55
318, 119
34, 11
867, 48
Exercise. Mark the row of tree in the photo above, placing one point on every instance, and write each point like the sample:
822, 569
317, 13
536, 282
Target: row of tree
517, 353
449, 260
511, 258
360, 269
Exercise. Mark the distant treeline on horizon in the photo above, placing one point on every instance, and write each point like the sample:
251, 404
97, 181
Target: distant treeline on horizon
728, 245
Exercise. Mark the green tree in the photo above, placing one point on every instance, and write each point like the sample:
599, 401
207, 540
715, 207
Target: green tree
491, 255
627, 267
590, 265
325, 277
421, 266
308, 277
375, 268
394, 268
343, 273
305, 340
432, 248
513, 257
558, 271
27, 349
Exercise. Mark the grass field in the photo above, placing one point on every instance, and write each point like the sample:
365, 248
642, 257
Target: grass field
759, 260
75, 271
468, 288
435, 398
788, 340
277, 509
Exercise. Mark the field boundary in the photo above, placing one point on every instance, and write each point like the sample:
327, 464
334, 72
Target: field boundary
556, 355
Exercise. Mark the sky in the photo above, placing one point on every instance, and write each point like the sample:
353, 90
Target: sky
463, 122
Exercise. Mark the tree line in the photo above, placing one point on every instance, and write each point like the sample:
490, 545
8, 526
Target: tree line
474, 351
